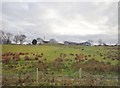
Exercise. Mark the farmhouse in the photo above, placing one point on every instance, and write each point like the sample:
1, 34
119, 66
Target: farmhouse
86, 44
53, 41
70, 43
40, 41
74, 43
46, 42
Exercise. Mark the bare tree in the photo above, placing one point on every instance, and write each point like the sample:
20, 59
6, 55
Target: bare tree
22, 38
9, 36
44, 37
90, 41
100, 42
105, 44
1, 35
16, 38
3, 38
53, 41
0, 40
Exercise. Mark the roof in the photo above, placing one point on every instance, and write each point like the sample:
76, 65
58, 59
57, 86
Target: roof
46, 41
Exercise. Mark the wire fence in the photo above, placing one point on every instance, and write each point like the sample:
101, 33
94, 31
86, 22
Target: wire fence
40, 78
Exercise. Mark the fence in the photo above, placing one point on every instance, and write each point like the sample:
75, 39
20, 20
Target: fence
39, 78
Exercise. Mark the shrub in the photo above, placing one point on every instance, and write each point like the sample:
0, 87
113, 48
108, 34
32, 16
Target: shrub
26, 58
36, 58
16, 57
34, 42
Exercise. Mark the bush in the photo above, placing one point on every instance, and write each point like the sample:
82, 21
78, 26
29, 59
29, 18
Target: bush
34, 42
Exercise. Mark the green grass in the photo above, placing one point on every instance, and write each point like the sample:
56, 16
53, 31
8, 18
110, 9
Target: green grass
51, 52
66, 69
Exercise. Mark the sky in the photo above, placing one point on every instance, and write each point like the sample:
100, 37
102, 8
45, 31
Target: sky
71, 21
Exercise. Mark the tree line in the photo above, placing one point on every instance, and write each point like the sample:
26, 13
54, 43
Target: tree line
7, 38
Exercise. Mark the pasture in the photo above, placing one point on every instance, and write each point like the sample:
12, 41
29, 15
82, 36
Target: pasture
59, 65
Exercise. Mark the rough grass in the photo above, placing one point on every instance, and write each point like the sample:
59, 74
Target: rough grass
53, 71
53, 51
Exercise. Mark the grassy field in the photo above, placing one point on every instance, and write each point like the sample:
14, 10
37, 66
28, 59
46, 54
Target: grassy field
60, 65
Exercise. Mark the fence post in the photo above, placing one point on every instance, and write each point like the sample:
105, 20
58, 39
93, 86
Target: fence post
80, 73
37, 76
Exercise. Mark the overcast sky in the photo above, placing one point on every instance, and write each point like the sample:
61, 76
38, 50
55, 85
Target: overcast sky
72, 21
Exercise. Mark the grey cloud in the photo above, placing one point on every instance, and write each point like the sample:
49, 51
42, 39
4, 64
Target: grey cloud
38, 19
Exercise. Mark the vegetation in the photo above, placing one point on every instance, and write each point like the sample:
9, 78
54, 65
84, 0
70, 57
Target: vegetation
34, 42
60, 65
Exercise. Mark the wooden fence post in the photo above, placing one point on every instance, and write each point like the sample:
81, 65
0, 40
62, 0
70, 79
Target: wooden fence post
37, 76
80, 73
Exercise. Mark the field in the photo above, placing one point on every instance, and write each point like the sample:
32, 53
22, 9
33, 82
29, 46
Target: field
59, 65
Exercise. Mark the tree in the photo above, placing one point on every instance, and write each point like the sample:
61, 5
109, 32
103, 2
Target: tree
9, 36
0, 40
2, 33
16, 38
34, 42
3, 37
4, 40
105, 44
53, 41
90, 41
22, 38
100, 42
8, 41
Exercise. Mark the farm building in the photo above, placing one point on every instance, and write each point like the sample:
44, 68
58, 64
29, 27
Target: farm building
40, 41
53, 41
74, 43
46, 42
70, 43
85, 44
